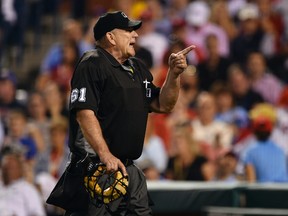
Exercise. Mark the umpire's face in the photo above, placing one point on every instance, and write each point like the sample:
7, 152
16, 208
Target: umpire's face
123, 41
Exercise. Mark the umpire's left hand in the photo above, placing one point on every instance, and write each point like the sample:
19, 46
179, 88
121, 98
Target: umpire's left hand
178, 62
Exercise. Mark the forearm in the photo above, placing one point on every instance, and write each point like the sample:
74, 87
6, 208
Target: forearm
92, 131
169, 92
250, 173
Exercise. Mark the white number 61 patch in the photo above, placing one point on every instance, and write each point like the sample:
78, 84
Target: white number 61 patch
79, 95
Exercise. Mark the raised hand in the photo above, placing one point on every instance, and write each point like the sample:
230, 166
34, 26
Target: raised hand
177, 61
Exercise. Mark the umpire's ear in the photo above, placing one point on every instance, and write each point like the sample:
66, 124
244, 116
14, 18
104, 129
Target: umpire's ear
111, 38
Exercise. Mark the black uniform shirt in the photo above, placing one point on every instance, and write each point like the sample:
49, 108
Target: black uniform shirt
119, 95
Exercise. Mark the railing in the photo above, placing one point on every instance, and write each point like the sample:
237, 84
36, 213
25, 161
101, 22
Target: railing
202, 198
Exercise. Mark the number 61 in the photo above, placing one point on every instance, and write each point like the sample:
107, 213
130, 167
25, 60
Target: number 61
78, 94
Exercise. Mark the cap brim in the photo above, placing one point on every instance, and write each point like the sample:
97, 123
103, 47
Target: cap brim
134, 24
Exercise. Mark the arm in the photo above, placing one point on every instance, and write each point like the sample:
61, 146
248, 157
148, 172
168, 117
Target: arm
170, 89
250, 173
92, 132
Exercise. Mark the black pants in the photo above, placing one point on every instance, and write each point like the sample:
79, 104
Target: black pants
136, 204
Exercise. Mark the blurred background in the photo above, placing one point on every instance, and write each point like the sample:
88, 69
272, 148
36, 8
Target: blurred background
226, 142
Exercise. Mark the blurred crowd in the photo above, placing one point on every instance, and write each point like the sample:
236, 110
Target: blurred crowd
230, 123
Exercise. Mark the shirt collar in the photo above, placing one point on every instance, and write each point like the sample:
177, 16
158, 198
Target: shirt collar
113, 61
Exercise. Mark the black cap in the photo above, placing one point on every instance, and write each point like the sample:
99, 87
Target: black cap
112, 20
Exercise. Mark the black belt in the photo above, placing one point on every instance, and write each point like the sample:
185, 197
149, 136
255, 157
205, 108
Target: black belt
127, 162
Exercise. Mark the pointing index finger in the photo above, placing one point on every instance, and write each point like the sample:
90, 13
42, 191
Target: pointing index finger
186, 50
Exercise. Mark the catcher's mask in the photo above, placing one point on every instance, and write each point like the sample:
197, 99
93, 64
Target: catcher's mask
105, 187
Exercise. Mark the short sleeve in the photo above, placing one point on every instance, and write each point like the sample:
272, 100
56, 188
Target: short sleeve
85, 87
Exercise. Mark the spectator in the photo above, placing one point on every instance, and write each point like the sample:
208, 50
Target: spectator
186, 161
272, 24
56, 105
252, 37
214, 67
57, 158
234, 6
220, 16
278, 63
88, 36
263, 82
182, 112
159, 16
177, 8
282, 7
190, 87
178, 32
8, 100
199, 27
71, 32
125, 6
280, 132
226, 109
164, 124
250, 34
59, 151
18, 197
27, 137
153, 160
240, 86
37, 111
24, 134
215, 137
148, 37
61, 73
226, 168
228, 112
45, 184
264, 161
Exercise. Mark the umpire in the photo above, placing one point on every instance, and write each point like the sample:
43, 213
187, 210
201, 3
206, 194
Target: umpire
112, 93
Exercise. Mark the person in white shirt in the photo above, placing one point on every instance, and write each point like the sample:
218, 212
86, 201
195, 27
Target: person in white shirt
215, 137
18, 197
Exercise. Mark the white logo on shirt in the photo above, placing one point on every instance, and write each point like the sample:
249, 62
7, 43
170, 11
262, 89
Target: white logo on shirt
148, 90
